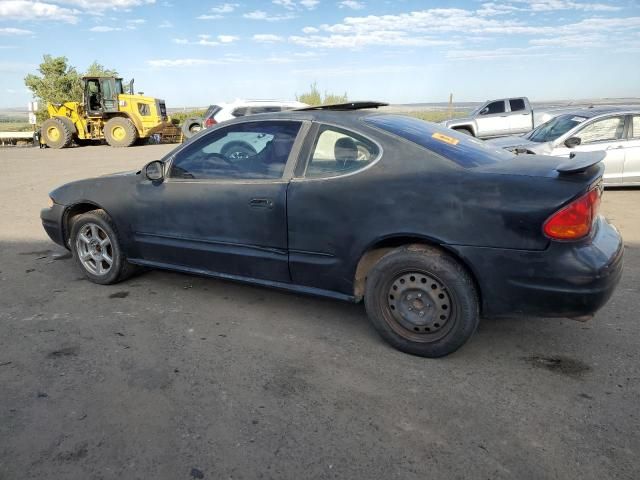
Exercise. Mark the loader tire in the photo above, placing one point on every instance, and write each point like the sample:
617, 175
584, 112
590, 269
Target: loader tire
55, 133
191, 126
120, 132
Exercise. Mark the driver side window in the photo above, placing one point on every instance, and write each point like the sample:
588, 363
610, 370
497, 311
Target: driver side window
494, 107
251, 150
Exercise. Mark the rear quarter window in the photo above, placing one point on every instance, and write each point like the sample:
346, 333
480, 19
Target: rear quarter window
466, 151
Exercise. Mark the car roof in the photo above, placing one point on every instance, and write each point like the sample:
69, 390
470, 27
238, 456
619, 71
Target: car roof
327, 116
591, 112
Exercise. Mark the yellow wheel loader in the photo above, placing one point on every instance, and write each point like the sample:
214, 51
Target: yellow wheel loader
106, 112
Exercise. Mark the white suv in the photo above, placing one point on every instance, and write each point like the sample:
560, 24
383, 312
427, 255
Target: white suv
238, 108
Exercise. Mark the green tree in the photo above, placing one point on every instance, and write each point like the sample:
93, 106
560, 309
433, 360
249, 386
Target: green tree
98, 70
59, 82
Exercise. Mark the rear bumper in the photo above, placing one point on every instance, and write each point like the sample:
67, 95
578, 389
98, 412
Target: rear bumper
53, 224
565, 280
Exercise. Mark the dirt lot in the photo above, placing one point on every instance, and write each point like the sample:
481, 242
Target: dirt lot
168, 376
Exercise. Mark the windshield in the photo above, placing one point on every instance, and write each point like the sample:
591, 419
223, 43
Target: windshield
554, 128
477, 110
119, 88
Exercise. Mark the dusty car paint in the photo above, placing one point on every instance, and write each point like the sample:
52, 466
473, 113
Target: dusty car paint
317, 230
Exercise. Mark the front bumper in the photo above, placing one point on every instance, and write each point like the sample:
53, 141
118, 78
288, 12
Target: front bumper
568, 279
52, 221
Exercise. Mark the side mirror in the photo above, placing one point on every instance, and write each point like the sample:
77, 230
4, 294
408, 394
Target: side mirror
154, 171
572, 142
484, 111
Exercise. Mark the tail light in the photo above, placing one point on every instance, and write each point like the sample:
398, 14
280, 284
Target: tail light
576, 219
209, 122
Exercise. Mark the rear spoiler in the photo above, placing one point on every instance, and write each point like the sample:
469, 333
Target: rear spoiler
579, 162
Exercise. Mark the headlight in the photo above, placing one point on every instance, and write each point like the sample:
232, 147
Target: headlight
50, 202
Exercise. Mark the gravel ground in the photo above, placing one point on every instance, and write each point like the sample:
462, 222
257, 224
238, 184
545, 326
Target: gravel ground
168, 376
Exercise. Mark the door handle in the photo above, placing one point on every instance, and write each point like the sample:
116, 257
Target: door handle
615, 148
261, 203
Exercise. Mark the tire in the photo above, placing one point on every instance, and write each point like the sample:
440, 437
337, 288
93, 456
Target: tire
191, 126
464, 131
55, 133
422, 301
93, 240
238, 150
120, 132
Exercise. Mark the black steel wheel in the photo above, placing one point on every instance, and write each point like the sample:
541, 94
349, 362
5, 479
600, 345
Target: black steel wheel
422, 301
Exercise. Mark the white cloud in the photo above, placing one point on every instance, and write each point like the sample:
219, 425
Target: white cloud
166, 24
137, 21
224, 8
384, 38
206, 40
260, 15
183, 62
227, 38
352, 4
219, 11
497, 53
104, 29
14, 31
288, 4
442, 26
310, 4
267, 38
296, 5
30, 10
102, 5
554, 5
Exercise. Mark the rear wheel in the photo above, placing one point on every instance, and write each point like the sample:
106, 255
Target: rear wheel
422, 301
120, 132
96, 248
55, 133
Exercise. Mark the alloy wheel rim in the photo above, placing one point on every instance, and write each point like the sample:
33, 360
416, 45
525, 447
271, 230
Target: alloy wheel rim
94, 249
420, 305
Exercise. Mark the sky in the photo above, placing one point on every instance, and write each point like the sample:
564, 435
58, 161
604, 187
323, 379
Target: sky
195, 53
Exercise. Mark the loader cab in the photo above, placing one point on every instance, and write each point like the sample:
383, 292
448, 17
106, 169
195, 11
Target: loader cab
101, 95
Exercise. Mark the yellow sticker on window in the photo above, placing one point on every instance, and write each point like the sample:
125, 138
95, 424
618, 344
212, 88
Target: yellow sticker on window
445, 138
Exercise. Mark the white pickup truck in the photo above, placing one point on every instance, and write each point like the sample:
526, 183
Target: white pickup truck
499, 118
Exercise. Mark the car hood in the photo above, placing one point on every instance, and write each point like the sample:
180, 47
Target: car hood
511, 143
94, 190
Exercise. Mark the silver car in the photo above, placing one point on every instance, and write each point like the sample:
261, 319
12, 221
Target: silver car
615, 131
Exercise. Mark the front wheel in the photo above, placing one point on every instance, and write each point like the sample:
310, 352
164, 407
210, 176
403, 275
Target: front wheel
422, 301
120, 132
95, 247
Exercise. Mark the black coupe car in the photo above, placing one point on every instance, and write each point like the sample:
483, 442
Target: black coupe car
432, 228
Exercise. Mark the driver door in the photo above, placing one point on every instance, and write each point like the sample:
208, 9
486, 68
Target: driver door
222, 206
492, 120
